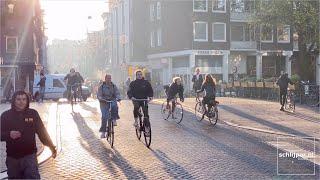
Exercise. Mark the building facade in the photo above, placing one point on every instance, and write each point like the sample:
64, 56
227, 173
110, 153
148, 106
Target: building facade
22, 44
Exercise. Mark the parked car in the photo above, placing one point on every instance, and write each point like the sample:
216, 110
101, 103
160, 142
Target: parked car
56, 87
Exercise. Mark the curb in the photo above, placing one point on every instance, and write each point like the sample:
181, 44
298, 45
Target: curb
247, 127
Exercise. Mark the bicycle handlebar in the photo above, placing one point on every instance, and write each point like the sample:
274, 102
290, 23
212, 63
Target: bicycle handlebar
140, 99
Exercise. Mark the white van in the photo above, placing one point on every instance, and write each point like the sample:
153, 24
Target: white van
56, 87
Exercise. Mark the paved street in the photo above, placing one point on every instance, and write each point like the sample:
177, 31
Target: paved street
191, 150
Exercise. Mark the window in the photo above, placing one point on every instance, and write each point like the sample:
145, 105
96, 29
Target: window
152, 43
219, 5
242, 33
219, 32
159, 37
11, 44
208, 61
57, 83
266, 33
241, 6
200, 5
158, 10
152, 12
283, 33
200, 31
180, 61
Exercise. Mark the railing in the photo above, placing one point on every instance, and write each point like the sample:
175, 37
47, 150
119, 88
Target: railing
243, 45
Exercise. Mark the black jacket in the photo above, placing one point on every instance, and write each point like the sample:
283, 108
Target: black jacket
283, 82
197, 83
140, 89
175, 89
29, 123
42, 82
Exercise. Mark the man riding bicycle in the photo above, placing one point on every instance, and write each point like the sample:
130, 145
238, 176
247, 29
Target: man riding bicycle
108, 91
140, 89
175, 88
209, 86
71, 79
283, 83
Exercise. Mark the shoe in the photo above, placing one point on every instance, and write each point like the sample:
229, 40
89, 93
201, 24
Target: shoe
281, 109
103, 135
202, 116
114, 123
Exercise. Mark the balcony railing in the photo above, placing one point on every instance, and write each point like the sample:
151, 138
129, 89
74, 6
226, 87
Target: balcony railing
240, 16
235, 45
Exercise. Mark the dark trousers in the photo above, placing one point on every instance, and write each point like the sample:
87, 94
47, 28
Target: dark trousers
283, 97
137, 105
23, 168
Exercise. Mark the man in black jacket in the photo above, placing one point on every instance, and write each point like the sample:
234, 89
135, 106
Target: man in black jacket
140, 89
18, 128
42, 84
197, 80
283, 83
175, 88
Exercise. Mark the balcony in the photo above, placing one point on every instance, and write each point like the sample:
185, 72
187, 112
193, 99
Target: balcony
243, 45
240, 16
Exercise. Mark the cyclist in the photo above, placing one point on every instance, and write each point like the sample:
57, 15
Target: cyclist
209, 86
108, 91
140, 89
71, 79
283, 83
175, 88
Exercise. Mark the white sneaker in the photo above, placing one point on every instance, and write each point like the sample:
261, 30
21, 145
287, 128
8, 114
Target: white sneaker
114, 123
135, 124
103, 135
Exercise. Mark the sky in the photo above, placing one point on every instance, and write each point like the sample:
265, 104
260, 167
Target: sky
68, 19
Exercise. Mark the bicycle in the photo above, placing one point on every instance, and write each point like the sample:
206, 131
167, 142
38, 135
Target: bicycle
212, 115
177, 113
143, 125
290, 104
110, 125
73, 91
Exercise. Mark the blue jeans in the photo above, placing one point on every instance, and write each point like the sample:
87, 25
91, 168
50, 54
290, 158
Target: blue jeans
23, 168
42, 91
105, 115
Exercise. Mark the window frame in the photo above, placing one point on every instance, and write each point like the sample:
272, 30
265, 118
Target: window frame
283, 26
194, 31
17, 44
206, 10
219, 11
152, 40
225, 32
151, 12
159, 38
266, 41
158, 10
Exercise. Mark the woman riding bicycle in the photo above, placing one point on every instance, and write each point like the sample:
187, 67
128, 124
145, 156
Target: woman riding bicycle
108, 92
175, 88
209, 86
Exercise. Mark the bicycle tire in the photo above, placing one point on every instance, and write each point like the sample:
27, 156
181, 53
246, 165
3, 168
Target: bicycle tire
111, 130
138, 128
179, 107
214, 120
164, 111
72, 103
147, 132
198, 111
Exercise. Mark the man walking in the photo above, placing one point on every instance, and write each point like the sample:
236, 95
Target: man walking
42, 84
197, 80
19, 125
283, 83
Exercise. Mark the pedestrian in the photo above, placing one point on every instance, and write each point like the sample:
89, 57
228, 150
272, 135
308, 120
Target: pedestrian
197, 80
42, 84
80, 81
18, 128
283, 83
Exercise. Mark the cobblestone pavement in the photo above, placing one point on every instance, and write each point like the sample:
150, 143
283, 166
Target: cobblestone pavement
266, 115
192, 150
43, 109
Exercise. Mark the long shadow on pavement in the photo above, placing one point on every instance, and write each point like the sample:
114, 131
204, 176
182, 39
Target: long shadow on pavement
172, 168
95, 147
89, 108
262, 121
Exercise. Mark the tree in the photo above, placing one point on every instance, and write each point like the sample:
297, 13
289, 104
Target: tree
303, 18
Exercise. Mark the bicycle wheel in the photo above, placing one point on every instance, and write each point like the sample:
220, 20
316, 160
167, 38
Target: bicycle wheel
199, 111
215, 115
72, 102
110, 133
147, 132
164, 111
138, 128
178, 113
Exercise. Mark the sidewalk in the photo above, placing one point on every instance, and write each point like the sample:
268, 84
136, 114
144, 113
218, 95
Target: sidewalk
265, 115
43, 109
